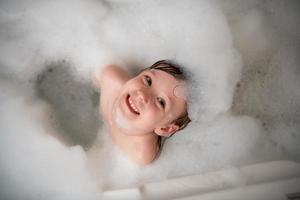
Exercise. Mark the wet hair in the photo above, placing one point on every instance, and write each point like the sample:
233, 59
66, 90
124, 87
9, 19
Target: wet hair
176, 71
169, 67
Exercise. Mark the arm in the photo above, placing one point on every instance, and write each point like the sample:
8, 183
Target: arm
110, 75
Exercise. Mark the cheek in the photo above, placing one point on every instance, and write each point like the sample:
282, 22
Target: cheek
154, 111
129, 84
134, 82
151, 115
154, 117
170, 117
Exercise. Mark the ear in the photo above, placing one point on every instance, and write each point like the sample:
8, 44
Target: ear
166, 131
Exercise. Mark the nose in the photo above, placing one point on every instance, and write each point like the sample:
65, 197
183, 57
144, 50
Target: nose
142, 96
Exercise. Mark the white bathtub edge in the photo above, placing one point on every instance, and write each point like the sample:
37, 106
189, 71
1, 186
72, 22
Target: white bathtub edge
225, 179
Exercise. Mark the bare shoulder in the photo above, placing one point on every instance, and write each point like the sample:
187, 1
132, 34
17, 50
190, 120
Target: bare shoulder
114, 73
110, 75
145, 155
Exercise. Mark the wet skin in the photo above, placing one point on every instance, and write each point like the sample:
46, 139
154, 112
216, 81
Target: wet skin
137, 110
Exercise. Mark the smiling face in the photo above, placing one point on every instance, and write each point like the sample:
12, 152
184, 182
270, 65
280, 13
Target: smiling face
148, 103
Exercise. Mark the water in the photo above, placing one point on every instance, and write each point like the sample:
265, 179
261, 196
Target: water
244, 62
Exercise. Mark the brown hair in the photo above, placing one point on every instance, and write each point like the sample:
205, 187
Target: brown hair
176, 71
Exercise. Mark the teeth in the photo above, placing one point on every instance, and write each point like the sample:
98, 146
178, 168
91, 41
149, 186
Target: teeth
132, 105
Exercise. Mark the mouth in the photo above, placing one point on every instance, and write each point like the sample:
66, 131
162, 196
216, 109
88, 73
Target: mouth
131, 105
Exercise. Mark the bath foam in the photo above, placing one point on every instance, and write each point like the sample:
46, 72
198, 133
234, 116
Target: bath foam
147, 32
121, 121
222, 138
269, 87
29, 36
34, 163
204, 59
35, 31
76, 37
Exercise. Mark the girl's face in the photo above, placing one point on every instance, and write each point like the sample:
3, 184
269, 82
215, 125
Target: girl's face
147, 102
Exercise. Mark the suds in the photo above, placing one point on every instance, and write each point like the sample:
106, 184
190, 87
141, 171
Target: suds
209, 39
121, 121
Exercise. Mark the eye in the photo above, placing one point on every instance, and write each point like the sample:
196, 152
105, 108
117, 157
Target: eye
161, 101
148, 80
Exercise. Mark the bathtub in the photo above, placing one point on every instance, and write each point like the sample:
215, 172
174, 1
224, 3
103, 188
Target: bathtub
29, 37
268, 180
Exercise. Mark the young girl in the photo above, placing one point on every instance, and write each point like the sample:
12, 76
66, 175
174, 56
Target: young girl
138, 111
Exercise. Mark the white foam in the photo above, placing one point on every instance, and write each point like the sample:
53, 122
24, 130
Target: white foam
34, 164
133, 33
121, 121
